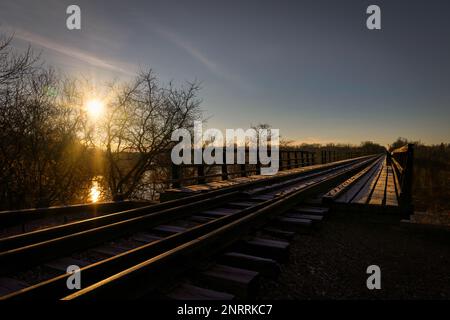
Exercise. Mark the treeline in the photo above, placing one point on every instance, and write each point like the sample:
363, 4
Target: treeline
342, 150
50, 148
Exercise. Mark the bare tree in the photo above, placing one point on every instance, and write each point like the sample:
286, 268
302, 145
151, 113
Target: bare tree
48, 146
138, 128
14, 66
43, 158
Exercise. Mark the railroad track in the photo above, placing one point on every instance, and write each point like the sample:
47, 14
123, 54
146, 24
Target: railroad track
132, 252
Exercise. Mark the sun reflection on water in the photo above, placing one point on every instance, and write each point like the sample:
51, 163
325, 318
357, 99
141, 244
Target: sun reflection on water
94, 194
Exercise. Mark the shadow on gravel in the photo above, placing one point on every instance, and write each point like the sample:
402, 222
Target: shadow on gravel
331, 263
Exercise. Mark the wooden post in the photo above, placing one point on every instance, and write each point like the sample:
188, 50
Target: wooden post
201, 173
224, 165
175, 175
243, 167
243, 170
407, 180
258, 163
289, 159
293, 159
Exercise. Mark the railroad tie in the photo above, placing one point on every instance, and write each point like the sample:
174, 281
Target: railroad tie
166, 230
294, 224
201, 219
186, 291
240, 282
145, 237
63, 263
241, 204
265, 266
219, 212
8, 285
262, 197
272, 249
313, 217
110, 250
278, 233
311, 210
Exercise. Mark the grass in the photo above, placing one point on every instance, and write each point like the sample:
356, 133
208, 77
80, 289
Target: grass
431, 184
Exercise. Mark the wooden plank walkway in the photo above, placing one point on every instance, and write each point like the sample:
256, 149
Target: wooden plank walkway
377, 187
391, 196
379, 192
364, 195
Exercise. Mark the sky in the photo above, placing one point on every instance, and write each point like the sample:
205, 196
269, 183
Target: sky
309, 68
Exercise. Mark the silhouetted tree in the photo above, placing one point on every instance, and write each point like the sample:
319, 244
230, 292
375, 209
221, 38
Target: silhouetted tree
42, 154
138, 127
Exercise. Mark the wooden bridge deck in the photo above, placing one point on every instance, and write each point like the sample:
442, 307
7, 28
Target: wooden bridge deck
175, 193
376, 188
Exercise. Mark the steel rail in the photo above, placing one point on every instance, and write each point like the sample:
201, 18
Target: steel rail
22, 240
94, 272
148, 275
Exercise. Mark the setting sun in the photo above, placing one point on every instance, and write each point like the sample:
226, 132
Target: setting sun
95, 108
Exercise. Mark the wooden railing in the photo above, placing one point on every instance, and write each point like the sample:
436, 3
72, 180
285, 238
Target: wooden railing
402, 161
288, 159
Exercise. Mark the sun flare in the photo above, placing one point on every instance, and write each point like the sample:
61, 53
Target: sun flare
95, 108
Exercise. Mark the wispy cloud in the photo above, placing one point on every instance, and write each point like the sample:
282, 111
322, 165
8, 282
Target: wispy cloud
72, 52
212, 66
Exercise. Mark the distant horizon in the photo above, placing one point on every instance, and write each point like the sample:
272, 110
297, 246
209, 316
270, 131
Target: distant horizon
310, 69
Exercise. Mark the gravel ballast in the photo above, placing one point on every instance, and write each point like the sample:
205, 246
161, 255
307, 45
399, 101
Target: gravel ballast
331, 262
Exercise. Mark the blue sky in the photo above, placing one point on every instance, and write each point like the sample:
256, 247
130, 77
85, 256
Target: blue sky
309, 68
